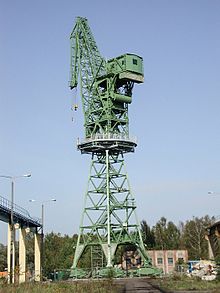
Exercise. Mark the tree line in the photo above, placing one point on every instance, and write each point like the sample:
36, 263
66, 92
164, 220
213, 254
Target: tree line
189, 235
59, 250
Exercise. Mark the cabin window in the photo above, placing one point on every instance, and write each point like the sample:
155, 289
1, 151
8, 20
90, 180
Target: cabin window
135, 61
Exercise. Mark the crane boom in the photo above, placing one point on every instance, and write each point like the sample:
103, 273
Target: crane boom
86, 64
84, 52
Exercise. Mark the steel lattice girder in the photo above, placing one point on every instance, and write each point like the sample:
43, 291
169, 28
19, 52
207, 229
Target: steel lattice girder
109, 215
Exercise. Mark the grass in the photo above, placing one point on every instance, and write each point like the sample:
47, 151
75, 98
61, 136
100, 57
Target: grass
169, 284
60, 287
184, 283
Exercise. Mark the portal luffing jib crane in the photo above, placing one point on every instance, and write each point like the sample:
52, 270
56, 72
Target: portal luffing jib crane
109, 219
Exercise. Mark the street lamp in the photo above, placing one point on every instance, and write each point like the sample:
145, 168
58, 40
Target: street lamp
213, 193
12, 258
42, 229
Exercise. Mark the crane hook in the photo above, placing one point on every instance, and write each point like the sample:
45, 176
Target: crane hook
74, 107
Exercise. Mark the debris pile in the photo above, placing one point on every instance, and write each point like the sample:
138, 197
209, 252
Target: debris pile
131, 259
205, 269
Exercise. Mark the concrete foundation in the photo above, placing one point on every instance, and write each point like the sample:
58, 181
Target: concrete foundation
22, 255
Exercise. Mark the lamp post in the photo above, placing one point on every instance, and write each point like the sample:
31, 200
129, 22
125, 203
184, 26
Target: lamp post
213, 193
12, 240
42, 231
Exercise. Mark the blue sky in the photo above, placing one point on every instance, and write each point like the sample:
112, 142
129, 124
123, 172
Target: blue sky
174, 114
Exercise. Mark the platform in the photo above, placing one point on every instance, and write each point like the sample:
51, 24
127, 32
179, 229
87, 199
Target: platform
99, 143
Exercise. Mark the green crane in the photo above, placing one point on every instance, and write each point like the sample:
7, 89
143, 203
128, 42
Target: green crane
109, 221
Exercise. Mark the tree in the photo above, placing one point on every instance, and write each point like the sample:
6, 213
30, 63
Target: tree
160, 234
194, 237
30, 251
167, 235
3, 257
173, 236
58, 252
148, 235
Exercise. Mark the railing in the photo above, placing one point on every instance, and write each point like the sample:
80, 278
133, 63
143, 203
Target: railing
17, 210
108, 136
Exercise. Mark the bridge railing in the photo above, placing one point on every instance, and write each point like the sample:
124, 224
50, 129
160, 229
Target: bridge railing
7, 205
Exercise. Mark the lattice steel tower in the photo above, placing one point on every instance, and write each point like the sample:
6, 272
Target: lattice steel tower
109, 216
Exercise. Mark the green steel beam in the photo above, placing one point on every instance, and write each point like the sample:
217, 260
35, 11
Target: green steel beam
109, 210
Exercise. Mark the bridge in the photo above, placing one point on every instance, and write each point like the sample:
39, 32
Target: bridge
20, 215
19, 219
